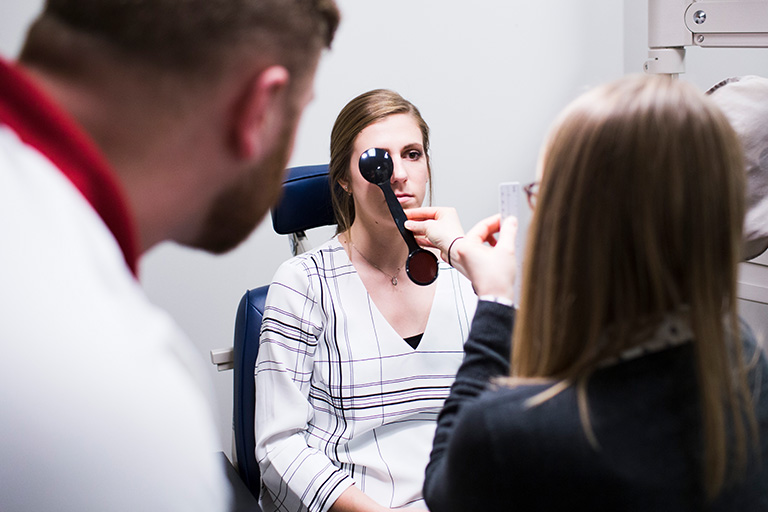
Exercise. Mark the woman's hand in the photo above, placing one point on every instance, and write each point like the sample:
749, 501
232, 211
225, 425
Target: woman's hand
434, 227
487, 261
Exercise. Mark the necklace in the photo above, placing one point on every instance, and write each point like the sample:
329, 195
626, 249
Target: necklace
392, 279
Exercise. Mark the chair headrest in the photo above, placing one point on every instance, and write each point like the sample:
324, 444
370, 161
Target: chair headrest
744, 100
306, 201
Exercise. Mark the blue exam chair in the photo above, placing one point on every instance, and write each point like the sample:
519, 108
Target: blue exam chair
306, 204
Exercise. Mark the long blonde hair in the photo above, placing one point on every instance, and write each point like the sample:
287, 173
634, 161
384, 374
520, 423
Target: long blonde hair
639, 215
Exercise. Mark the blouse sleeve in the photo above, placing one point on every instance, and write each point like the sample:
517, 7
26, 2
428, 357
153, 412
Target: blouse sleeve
296, 476
486, 355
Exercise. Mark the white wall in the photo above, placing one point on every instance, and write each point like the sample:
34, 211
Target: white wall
488, 79
15, 16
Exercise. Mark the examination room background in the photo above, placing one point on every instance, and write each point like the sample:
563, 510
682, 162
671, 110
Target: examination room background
489, 77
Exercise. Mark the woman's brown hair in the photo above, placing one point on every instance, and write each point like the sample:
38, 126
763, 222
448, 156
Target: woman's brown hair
640, 215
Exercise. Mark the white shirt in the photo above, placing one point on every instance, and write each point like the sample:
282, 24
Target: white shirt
103, 402
340, 396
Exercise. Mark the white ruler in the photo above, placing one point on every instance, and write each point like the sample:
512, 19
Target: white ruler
512, 202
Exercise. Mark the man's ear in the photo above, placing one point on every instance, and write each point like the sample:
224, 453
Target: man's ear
259, 109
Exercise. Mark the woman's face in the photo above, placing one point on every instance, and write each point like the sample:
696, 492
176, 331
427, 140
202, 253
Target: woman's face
400, 135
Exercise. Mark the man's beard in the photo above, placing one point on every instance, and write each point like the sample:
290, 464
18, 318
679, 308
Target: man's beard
237, 210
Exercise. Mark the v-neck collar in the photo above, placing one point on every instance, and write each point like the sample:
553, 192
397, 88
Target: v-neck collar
438, 283
45, 126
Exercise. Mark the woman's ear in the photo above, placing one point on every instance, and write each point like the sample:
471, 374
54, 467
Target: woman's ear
258, 113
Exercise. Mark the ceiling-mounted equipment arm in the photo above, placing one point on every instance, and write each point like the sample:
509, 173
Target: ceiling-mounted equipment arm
675, 24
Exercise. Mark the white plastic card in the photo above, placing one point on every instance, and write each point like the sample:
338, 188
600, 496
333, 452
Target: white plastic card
512, 202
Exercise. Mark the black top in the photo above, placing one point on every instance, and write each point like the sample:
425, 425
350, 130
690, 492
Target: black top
414, 341
493, 452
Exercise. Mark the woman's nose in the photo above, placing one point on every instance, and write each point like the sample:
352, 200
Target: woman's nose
398, 170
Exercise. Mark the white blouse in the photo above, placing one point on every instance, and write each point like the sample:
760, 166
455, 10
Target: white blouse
341, 398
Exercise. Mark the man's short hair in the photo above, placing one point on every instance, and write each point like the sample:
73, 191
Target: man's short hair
184, 36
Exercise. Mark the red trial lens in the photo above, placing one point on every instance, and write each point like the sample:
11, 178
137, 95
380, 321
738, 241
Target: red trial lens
421, 267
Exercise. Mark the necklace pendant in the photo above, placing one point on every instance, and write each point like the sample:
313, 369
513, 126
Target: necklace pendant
394, 280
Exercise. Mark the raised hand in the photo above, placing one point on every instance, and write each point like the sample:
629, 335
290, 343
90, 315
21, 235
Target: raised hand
487, 260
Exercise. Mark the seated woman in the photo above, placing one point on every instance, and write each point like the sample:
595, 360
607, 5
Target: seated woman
356, 360
632, 385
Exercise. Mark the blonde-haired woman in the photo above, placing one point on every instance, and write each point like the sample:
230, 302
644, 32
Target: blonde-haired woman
632, 383
355, 359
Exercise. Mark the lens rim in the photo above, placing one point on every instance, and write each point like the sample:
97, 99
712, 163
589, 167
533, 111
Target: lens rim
410, 273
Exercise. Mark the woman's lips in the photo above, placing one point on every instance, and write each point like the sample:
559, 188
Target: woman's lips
403, 198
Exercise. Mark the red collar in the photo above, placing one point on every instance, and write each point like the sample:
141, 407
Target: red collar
39, 122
